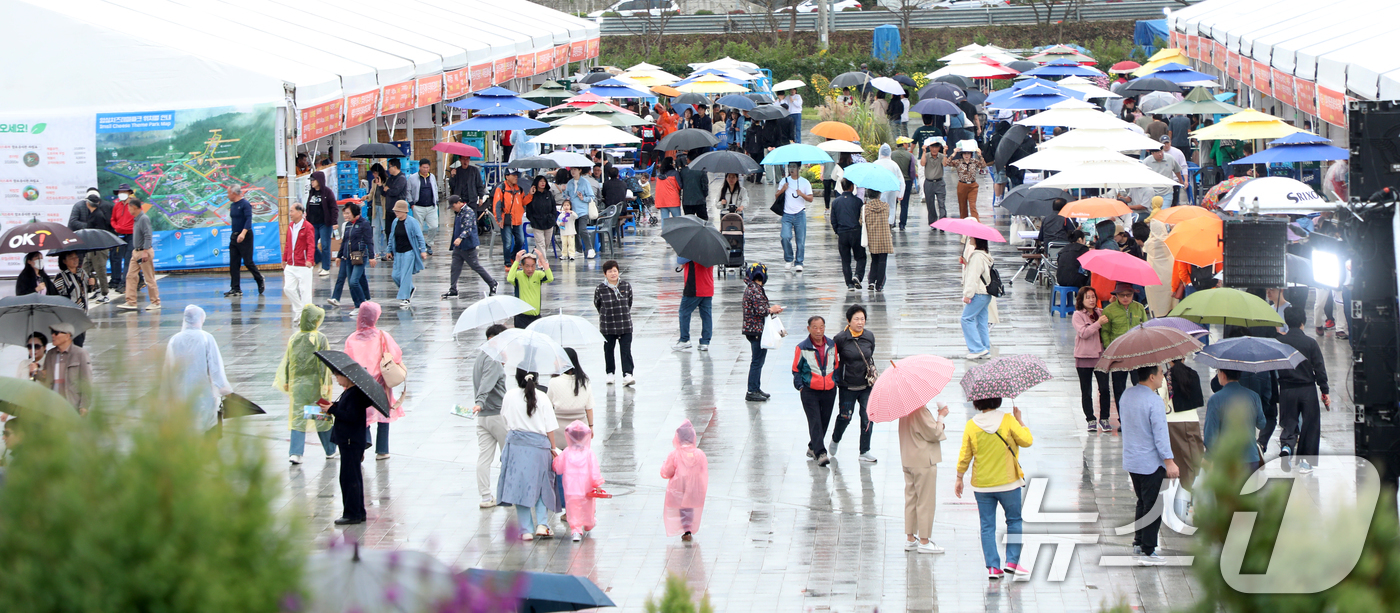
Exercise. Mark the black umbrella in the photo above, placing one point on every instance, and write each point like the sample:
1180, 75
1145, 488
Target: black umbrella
1032, 201
767, 111
691, 98
91, 239
1299, 270
934, 106
534, 161
946, 91
1137, 87
235, 405
725, 162
850, 79
377, 150
21, 315
1022, 65
25, 398
976, 96
760, 97
1010, 145
736, 101
695, 240
685, 140
905, 80
545, 592
594, 77
345, 366
36, 236
955, 79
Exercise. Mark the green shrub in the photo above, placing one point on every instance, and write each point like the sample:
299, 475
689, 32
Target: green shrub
677, 599
704, 12
612, 14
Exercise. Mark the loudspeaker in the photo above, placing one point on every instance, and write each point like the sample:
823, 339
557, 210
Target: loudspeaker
1375, 146
1255, 253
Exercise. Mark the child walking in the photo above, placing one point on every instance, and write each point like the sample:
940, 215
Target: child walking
578, 467
689, 473
568, 229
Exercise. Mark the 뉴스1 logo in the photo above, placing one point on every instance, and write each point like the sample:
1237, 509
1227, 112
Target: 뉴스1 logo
22, 128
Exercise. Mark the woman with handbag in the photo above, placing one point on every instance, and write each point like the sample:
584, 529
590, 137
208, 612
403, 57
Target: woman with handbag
757, 310
855, 376
991, 445
375, 350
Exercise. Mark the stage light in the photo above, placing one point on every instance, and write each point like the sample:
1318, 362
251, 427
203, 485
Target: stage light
1327, 268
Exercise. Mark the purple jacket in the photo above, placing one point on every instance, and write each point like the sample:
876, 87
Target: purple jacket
1086, 334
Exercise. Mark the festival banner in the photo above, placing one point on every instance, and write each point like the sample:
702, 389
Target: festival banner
544, 61
525, 65
429, 91
578, 51
1217, 54
1283, 88
47, 162
321, 120
504, 70
1203, 49
1332, 106
593, 47
561, 56
1307, 95
1173, 39
1192, 50
397, 98
1262, 73
456, 83
480, 77
361, 108
1232, 65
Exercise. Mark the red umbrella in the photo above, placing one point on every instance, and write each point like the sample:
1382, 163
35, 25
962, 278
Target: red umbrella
458, 149
969, 227
1119, 266
1144, 346
908, 385
1124, 66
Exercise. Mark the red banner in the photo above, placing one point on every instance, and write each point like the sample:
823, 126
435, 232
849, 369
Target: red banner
1332, 106
397, 98
544, 61
1262, 82
321, 120
593, 47
1217, 54
1191, 50
578, 51
1283, 88
1172, 39
429, 91
1232, 65
525, 65
504, 71
361, 108
1203, 49
561, 56
456, 83
480, 77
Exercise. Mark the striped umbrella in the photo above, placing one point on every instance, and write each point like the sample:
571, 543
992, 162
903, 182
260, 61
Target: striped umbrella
908, 384
1006, 377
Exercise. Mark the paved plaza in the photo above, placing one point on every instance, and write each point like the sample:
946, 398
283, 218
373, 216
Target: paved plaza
779, 532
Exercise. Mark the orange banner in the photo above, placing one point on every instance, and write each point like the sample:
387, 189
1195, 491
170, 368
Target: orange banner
525, 65
361, 108
1332, 106
544, 61
1307, 95
504, 71
321, 120
456, 83
593, 47
1262, 79
561, 56
1190, 47
397, 98
1217, 54
1283, 88
480, 77
429, 91
578, 51
1232, 64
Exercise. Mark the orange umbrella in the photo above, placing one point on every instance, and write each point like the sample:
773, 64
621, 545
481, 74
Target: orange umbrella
1198, 241
835, 129
666, 90
1179, 214
1095, 208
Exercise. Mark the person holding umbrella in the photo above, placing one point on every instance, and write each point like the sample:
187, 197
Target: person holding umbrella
730, 197
1147, 454
991, 446
72, 282
1123, 313
846, 221
796, 192
194, 368
879, 241
698, 293
933, 161
489, 385
976, 274
306, 381
350, 410
1234, 406
613, 301
33, 279
968, 163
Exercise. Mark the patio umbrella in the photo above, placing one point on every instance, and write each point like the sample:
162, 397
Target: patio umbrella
1119, 266
947, 91
1199, 102
1061, 68
376, 150
1296, 147
935, 106
666, 90
585, 129
1198, 241
835, 129
455, 148
796, 152
1125, 66
490, 310
1004, 377
236, 405
21, 315
1182, 213
534, 161
871, 176
1032, 201
1116, 139
887, 85
1066, 158
551, 92
1179, 73
1087, 87
1185, 325
1108, 175
347, 578
685, 140
725, 162
783, 86
969, 227
25, 398
736, 101
593, 77
695, 240
529, 351
1143, 85
342, 364
1095, 208
955, 79
36, 236
712, 84
1021, 65
1250, 354
975, 70
567, 330
837, 145
569, 159
91, 239
1141, 347
1213, 196
1152, 101
1228, 306
691, 98
1274, 195
1248, 124
908, 385
850, 79
496, 119
767, 112
613, 88
543, 592
1074, 114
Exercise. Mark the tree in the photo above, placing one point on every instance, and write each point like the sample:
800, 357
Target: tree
1049, 7
649, 28
905, 11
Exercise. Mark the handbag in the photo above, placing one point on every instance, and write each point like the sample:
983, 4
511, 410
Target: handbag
871, 374
778, 204
593, 208
394, 373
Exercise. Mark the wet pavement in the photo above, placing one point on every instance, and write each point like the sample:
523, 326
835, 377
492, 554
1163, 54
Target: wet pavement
779, 533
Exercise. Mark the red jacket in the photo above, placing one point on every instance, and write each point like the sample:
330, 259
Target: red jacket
122, 221
701, 284
302, 251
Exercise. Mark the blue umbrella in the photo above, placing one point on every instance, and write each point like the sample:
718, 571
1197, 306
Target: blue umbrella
1062, 68
511, 103
1250, 354
1296, 147
496, 119
871, 176
935, 106
737, 101
796, 152
1178, 73
613, 88
1003, 94
497, 92
545, 592
1034, 98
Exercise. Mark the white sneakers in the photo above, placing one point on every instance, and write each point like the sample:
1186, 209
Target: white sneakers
487, 502
681, 346
628, 380
592, 254
325, 273
929, 548
296, 459
333, 302
979, 355
797, 268
866, 457
790, 265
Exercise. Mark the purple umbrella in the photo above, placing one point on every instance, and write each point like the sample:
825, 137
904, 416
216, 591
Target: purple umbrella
1184, 325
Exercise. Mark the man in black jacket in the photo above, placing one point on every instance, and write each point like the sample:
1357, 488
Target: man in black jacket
92, 213
845, 220
467, 183
1053, 227
1068, 272
395, 189
1300, 418
695, 189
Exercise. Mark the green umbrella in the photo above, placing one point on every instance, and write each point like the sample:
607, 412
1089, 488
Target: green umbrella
550, 93
25, 398
1199, 102
1227, 306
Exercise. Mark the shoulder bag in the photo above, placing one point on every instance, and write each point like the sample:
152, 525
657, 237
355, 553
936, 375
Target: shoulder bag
393, 372
871, 374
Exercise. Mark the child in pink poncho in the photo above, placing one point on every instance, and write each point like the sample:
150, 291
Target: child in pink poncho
579, 469
689, 473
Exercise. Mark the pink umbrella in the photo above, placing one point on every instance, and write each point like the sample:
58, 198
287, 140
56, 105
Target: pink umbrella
908, 384
1119, 266
969, 227
458, 149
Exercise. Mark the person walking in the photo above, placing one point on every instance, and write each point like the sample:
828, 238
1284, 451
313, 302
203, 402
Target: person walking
968, 164
1167, 166
793, 100
489, 386
731, 197
467, 183
879, 241
668, 189
123, 223
194, 370
529, 284
1088, 346
1123, 314
756, 312
699, 292
369, 347
423, 195
409, 251
571, 397
991, 445
905, 160
321, 211
1147, 456
814, 365
695, 189
1298, 388
240, 243
376, 207
1184, 397
298, 260
687, 474
307, 382
577, 466
854, 377
508, 207
977, 302
613, 300
542, 212
935, 189
797, 192
465, 243
1233, 406
356, 252
395, 189
580, 194
71, 282
527, 478
891, 197
349, 411
99, 217
920, 450
67, 369
142, 259
847, 221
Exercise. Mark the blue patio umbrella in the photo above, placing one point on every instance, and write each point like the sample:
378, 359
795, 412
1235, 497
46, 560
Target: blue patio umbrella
496, 91
1003, 94
871, 176
1250, 354
737, 101
545, 592
510, 103
1063, 68
1296, 147
1037, 98
1178, 73
496, 119
796, 152
613, 88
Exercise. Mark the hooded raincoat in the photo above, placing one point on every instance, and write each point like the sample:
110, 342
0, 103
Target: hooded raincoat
1160, 258
194, 370
578, 467
891, 198
688, 470
302, 375
367, 345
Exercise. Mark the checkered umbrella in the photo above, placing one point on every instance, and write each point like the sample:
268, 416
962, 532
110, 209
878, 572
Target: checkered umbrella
1006, 377
908, 384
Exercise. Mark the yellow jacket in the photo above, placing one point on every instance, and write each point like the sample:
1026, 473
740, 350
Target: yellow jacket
996, 468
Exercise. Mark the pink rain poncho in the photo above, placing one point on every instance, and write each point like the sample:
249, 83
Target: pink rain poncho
366, 345
689, 473
579, 469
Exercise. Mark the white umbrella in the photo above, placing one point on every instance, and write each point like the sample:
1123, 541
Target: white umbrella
1065, 158
644, 66
728, 63
490, 310
567, 330
569, 159
1152, 101
1107, 175
585, 129
347, 578
839, 146
972, 70
528, 350
1116, 139
1077, 114
1080, 84
1274, 195
887, 85
788, 84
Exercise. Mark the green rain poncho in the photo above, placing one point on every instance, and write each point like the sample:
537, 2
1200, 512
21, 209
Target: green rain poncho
301, 374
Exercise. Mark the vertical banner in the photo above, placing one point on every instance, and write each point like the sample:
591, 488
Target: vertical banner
504, 71
456, 83
183, 169
1217, 54
321, 121
361, 108
1283, 88
1332, 106
544, 61
561, 56
1307, 95
480, 77
593, 47
429, 91
47, 162
397, 98
525, 65
578, 51
1232, 65
1262, 79
1192, 51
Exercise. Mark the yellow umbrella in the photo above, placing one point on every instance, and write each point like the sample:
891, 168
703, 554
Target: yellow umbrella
1166, 53
712, 86
1155, 62
1248, 124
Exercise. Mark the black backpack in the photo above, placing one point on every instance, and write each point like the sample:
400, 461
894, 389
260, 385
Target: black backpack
994, 287
1202, 277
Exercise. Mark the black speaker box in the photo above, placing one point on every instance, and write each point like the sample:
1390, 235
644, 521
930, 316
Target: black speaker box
1255, 253
1374, 131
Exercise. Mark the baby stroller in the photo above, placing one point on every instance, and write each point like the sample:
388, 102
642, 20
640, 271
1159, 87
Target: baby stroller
731, 227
